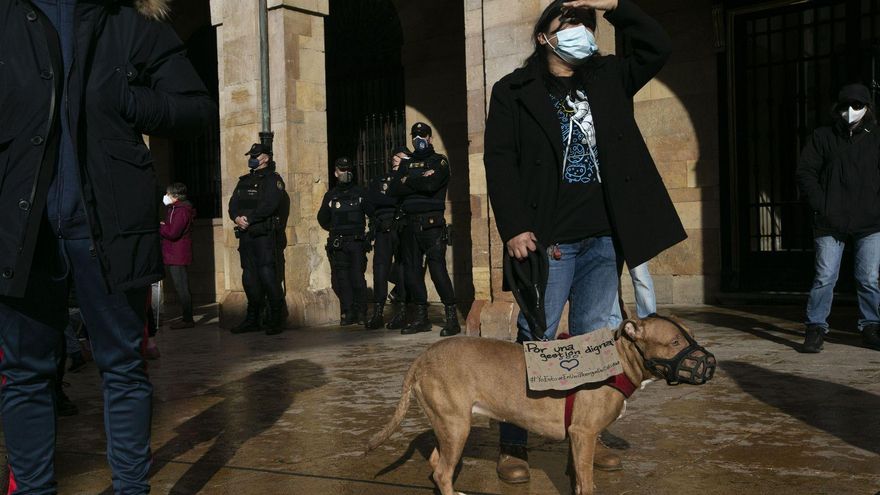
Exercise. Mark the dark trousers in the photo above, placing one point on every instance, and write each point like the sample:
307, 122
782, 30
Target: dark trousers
181, 285
385, 267
31, 336
419, 245
259, 269
348, 262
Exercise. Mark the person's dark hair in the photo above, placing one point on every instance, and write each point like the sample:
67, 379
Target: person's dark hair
178, 190
552, 11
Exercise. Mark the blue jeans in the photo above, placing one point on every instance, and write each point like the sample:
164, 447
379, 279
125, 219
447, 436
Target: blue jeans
31, 333
587, 277
829, 251
643, 287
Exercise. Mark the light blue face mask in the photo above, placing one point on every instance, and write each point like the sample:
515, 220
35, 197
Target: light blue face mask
574, 45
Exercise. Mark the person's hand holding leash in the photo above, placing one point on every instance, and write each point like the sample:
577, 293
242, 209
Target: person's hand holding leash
520, 246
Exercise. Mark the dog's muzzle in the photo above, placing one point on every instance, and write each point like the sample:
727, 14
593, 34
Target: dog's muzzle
694, 365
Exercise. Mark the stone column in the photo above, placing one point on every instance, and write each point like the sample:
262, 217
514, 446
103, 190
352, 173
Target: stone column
299, 119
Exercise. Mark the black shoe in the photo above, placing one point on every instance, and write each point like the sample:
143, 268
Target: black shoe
348, 318
871, 336
452, 326
378, 318
251, 321
63, 405
399, 320
420, 322
813, 340
275, 319
77, 362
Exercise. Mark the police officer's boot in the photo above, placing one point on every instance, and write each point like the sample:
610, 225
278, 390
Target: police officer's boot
399, 319
378, 318
420, 321
275, 321
348, 318
251, 321
452, 326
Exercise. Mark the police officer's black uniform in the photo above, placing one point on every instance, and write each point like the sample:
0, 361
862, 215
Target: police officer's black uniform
343, 212
384, 226
258, 197
422, 188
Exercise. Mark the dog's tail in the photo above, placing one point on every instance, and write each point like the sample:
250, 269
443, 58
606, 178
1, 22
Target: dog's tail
402, 406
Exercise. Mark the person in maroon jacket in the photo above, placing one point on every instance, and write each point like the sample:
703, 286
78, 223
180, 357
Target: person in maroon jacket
176, 232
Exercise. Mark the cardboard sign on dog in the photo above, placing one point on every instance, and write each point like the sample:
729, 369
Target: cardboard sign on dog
570, 363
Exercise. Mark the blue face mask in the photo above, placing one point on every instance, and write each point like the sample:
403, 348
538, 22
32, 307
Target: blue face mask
574, 45
420, 143
253, 163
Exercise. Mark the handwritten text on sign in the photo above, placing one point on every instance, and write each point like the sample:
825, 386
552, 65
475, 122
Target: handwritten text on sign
570, 363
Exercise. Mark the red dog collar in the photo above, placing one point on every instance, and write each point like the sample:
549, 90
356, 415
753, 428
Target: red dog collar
620, 382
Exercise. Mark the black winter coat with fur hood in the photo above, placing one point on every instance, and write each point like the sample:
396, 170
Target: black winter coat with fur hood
131, 77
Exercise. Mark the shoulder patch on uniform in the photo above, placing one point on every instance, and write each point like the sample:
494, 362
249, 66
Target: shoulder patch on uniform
280, 185
444, 162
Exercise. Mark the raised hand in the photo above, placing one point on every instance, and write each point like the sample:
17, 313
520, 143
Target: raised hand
591, 4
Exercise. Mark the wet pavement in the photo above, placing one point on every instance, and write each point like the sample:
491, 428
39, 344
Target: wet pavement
291, 414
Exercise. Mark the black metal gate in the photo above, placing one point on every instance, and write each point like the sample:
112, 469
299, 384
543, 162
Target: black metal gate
365, 93
787, 62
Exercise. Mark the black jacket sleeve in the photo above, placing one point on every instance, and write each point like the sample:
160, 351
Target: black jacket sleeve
501, 159
432, 183
808, 173
651, 45
233, 206
324, 213
397, 187
273, 192
172, 100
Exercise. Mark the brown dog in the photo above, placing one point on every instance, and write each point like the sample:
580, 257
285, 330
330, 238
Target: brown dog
455, 378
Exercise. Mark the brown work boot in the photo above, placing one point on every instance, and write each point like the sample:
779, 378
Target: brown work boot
604, 459
513, 464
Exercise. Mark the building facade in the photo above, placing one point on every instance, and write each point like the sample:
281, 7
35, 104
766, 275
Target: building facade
724, 120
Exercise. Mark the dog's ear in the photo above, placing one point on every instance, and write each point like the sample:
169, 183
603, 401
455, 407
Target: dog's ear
632, 330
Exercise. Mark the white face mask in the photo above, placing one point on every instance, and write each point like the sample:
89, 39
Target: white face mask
167, 200
852, 116
574, 45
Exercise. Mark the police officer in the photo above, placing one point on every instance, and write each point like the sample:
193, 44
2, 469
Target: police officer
344, 213
421, 186
384, 232
255, 208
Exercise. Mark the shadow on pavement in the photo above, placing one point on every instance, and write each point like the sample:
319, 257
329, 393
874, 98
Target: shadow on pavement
249, 407
844, 412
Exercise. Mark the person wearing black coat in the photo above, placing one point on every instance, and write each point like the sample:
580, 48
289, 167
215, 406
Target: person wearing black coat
384, 231
421, 186
839, 176
257, 206
344, 211
80, 83
568, 171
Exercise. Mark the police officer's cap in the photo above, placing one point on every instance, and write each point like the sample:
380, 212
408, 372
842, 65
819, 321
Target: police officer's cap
343, 164
421, 129
258, 149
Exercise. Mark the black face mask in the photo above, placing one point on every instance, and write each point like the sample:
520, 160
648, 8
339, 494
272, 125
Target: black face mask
693, 364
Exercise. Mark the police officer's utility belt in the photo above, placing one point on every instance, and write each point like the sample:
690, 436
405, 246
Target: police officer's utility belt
383, 223
336, 241
426, 221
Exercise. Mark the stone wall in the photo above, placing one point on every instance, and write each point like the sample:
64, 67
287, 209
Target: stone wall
678, 115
